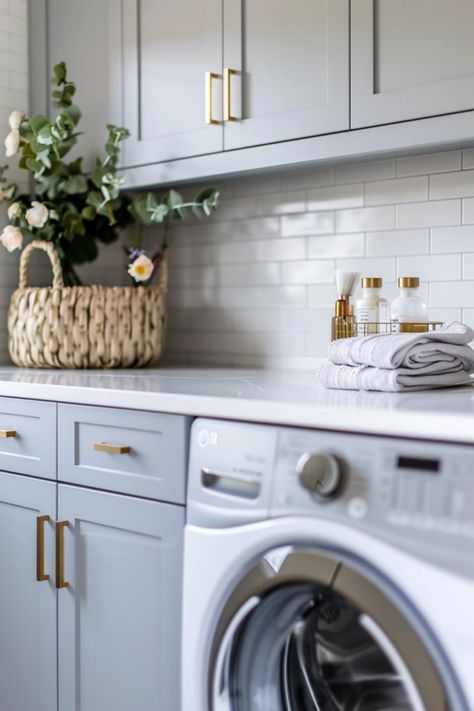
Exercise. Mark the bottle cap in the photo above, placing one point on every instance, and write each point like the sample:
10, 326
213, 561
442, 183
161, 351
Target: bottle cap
408, 282
371, 282
342, 307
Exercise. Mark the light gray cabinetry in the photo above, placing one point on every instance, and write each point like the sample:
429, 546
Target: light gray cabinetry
90, 581
87, 36
410, 59
168, 49
139, 453
119, 616
27, 605
289, 65
28, 437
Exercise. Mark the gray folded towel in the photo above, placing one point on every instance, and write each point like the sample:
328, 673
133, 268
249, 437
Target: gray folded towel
401, 362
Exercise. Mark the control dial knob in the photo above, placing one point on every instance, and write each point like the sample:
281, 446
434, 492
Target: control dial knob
320, 474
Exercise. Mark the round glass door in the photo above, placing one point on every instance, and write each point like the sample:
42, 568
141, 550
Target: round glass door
304, 632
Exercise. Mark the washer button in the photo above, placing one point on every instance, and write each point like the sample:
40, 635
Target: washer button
357, 507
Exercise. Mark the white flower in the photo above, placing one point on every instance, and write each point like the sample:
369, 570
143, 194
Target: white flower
12, 143
11, 238
142, 268
14, 210
37, 215
15, 119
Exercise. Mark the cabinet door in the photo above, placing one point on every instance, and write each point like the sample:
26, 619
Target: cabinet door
168, 48
291, 69
119, 616
410, 59
27, 606
87, 36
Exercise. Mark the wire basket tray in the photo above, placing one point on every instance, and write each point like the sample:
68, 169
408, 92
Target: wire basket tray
346, 327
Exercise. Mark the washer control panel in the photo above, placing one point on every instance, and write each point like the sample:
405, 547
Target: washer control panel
418, 492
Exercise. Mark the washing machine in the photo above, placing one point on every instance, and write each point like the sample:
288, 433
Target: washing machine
327, 572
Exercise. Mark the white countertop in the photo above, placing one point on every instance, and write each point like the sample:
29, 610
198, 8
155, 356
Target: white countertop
278, 397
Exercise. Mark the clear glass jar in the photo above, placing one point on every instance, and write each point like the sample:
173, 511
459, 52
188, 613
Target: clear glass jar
409, 307
371, 308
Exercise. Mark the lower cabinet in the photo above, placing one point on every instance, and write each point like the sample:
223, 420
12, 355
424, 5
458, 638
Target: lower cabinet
119, 614
27, 605
90, 596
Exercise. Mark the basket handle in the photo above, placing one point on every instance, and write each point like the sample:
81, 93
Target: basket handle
47, 247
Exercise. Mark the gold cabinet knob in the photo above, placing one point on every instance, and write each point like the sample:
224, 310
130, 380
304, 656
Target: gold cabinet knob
7, 433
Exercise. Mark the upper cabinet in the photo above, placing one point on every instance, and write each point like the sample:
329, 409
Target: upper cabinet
273, 74
286, 70
211, 87
172, 79
410, 59
87, 36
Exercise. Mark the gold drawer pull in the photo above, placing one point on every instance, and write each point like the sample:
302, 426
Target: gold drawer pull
60, 526
7, 433
40, 574
208, 117
111, 448
227, 100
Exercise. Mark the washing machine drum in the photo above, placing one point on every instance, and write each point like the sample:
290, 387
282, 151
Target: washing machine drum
304, 631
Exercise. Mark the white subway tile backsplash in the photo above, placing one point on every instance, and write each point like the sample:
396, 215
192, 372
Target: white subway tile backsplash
429, 214
451, 185
468, 211
440, 267
308, 272
309, 223
323, 295
452, 239
282, 203
429, 163
383, 267
394, 191
373, 170
351, 245
397, 242
256, 228
468, 158
448, 294
257, 288
281, 249
365, 219
468, 266
336, 197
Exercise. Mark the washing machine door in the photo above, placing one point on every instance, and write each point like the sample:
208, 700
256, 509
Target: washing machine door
306, 631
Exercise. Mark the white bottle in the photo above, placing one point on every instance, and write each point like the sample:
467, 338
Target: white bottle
371, 308
409, 308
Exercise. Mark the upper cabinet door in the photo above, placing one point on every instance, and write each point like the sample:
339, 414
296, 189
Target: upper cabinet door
411, 59
169, 47
87, 36
289, 65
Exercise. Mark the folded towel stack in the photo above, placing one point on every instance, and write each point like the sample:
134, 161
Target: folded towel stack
401, 362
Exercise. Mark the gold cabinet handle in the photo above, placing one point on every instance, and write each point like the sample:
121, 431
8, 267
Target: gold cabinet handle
60, 526
208, 113
40, 574
7, 433
111, 448
228, 72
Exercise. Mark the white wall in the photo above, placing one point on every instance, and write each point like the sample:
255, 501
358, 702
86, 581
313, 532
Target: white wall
13, 95
255, 285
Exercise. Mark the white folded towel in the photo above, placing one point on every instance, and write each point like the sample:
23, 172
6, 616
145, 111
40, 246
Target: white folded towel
401, 362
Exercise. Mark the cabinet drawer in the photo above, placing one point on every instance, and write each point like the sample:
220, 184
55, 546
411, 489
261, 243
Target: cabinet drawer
28, 437
127, 451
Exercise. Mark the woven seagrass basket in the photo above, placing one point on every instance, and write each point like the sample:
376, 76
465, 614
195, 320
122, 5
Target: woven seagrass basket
84, 326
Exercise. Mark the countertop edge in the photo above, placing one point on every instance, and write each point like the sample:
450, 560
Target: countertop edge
452, 427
